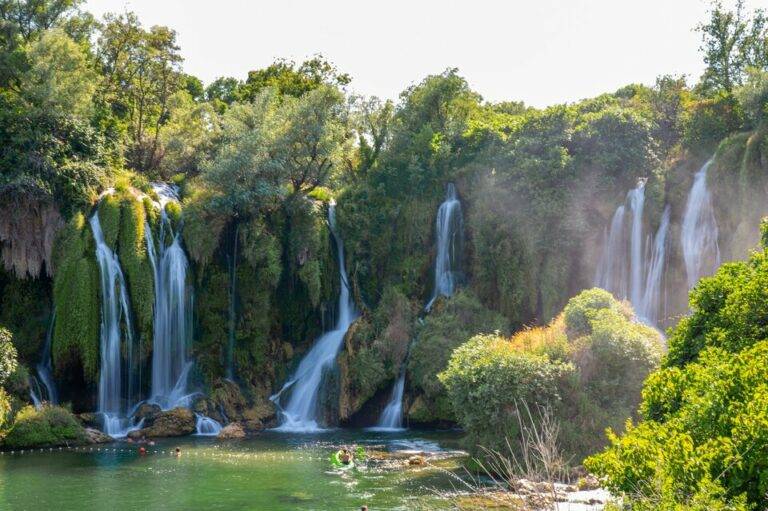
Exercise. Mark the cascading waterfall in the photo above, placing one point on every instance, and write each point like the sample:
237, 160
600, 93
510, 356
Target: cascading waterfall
205, 426
449, 232
45, 373
650, 305
172, 313
392, 417
300, 414
698, 237
629, 267
636, 199
117, 383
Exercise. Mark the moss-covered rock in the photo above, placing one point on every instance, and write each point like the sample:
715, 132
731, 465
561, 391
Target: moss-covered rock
49, 426
175, 422
76, 298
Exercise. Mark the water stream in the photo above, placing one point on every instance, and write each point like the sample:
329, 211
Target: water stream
172, 313
298, 398
698, 236
117, 388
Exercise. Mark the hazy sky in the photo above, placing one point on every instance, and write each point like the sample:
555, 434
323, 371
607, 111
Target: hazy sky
538, 51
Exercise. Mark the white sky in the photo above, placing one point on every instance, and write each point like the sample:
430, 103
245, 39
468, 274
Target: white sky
539, 51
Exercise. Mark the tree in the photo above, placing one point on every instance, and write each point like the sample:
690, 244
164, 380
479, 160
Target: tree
372, 120
292, 80
29, 18
141, 71
8, 362
732, 41
312, 137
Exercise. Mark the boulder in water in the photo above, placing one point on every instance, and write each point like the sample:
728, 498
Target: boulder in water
231, 431
94, 436
176, 422
148, 413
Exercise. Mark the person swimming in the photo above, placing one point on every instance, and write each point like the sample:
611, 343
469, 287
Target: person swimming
345, 456
177, 452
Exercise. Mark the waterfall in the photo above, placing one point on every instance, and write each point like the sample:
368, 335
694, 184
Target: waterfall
636, 199
172, 312
612, 270
300, 412
630, 267
698, 237
35, 393
392, 417
205, 426
45, 372
449, 231
650, 305
117, 389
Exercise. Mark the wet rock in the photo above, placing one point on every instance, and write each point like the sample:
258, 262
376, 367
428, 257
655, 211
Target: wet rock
94, 436
89, 420
416, 460
176, 422
231, 431
148, 413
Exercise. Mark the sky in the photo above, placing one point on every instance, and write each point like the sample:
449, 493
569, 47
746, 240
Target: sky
541, 52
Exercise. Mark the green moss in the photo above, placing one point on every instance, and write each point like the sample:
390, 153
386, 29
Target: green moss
109, 219
134, 259
173, 210
202, 226
50, 426
76, 298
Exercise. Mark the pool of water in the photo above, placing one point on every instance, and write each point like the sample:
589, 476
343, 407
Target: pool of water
271, 472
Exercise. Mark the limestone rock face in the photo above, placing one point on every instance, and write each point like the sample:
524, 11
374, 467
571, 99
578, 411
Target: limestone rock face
176, 422
232, 431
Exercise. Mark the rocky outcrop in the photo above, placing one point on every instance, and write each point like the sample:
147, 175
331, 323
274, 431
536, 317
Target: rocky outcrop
176, 422
226, 403
232, 431
94, 436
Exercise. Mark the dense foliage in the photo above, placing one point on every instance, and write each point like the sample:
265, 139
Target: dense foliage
587, 368
704, 427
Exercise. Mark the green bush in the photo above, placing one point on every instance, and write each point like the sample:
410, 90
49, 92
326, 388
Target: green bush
49, 426
489, 382
587, 367
8, 362
451, 322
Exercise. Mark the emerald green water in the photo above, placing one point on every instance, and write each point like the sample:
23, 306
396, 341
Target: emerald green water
271, 472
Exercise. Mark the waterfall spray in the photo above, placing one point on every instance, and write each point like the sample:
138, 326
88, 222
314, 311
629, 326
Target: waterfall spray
117, 387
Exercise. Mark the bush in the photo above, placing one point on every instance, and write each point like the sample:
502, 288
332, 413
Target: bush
49, 426
488, 379
449, 325
8, 362
587, 366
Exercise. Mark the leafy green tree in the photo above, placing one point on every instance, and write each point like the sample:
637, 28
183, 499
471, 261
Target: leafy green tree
732, 41
141, 70
294, 80
705, 410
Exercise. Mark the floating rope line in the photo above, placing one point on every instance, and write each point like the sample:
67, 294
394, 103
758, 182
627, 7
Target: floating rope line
214, 453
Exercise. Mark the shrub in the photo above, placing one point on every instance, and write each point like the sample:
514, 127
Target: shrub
487, 379
589, 364
449, 325
51, 425
8, 362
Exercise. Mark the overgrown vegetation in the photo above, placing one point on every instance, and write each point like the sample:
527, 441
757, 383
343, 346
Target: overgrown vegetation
703, 433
